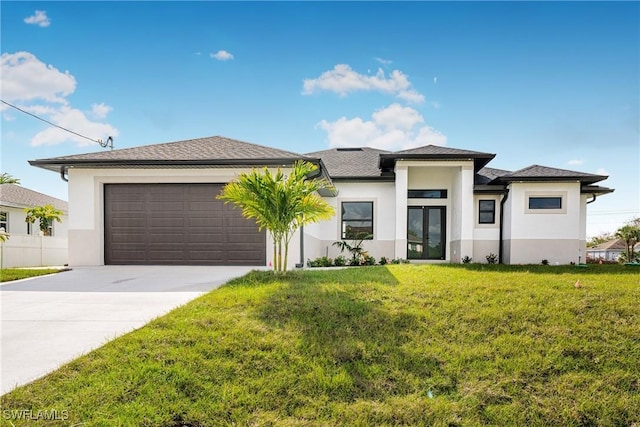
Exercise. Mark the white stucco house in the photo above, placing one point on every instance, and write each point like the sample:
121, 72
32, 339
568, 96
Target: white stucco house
156, 204
26, 246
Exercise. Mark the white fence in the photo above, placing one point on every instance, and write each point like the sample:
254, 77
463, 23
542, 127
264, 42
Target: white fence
34, 251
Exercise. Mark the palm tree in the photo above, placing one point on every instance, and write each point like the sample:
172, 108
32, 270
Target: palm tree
631, 235
280, 203
7, 178
45, 215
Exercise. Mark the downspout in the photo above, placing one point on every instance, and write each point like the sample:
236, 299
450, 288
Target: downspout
500, 248
301, 263
63, 172
592, 200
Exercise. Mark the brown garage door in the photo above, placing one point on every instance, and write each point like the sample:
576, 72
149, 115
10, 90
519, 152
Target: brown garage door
182, 224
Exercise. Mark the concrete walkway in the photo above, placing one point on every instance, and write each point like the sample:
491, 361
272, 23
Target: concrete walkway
48, 321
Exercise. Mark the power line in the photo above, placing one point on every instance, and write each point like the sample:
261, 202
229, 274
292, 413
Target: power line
108, 143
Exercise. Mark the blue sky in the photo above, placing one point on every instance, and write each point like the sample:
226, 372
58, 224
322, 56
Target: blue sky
551, 83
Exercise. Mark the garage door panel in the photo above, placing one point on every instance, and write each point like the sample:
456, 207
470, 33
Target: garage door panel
177, 224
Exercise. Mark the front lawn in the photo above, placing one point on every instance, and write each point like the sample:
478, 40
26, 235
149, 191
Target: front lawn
10, 274
394, 345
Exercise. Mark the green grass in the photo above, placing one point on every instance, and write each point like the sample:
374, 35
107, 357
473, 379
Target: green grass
394, 345
9, 274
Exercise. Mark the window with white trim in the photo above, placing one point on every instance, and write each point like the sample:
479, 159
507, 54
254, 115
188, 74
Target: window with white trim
357, 220
4, 221
539, 202
487, 211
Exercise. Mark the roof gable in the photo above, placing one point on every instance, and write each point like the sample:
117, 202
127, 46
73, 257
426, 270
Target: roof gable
13, 195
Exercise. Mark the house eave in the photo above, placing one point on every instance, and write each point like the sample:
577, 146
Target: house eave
387, 161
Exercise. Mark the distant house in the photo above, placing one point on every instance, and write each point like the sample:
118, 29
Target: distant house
156, 204
610, 250
26, 246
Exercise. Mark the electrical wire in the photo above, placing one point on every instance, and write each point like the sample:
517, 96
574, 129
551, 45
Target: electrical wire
99, 141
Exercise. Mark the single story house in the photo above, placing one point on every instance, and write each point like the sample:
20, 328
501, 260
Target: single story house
610, 250
26, 246
156, 204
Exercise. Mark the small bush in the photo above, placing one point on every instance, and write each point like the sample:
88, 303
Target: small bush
400, 261
492, 258
320, 262
369, 260
383, 260
545, 262
466, 259
340, 261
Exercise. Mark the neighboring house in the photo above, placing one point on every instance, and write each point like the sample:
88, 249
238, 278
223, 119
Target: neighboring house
156, 204
26, 247
610, 250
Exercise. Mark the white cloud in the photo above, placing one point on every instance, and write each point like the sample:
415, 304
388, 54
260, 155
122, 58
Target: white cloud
383, 61
391, 128
42, 89
24, 78
75, 120
342, 79
101, 110
222, 55
40, 19
575, 162
602, 171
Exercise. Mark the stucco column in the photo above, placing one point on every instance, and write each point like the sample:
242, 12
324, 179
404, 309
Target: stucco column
402, 186
467, 213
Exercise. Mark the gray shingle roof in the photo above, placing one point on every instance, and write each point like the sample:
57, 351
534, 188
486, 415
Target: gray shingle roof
486, 175
16, 196
351, 162
610, 244
215, 147
387, 161
538, 173
436, 150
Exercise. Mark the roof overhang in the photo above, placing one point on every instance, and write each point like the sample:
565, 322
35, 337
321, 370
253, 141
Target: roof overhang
596, 190
480, 160
62, 165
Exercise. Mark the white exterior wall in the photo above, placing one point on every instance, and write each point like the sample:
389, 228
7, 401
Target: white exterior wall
457, 178
555, 235
86, 205
486, 237
319, 237
34, 250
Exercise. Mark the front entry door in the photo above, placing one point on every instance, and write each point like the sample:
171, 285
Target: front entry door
426, 228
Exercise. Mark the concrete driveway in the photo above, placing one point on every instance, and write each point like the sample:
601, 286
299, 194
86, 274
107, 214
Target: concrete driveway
48, 321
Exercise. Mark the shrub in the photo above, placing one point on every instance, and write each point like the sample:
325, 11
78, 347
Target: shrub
466, 259
340, 261
320, 262
369, 260
492, 258
400, 261
384, 260
545, 262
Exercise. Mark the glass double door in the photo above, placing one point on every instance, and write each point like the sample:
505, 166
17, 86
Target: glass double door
426, 228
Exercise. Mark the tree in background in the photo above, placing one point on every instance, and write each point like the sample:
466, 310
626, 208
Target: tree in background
45, 215
600, 238
7, 178
280, 203
630, 234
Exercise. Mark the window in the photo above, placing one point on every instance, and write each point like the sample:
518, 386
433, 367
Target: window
357, 220
427, 194
545, 202
487, 212
4, 221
